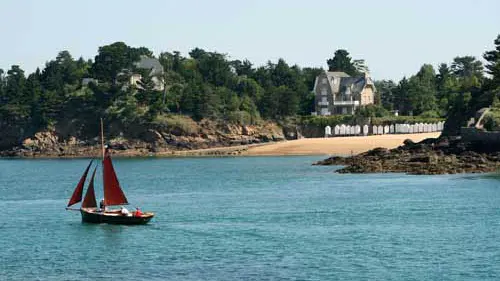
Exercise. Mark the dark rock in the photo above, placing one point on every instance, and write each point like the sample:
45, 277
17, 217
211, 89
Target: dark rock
408, 142
431, 157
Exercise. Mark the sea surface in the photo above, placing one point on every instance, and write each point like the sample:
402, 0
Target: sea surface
250, 218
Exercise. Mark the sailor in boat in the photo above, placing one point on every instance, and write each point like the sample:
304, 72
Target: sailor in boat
124, 211
102, 206
138, 212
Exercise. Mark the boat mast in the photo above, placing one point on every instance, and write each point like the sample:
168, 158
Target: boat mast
103, 152
102, 139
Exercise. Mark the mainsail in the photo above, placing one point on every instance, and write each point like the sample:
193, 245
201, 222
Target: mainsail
89, 200
113, 194
77, 194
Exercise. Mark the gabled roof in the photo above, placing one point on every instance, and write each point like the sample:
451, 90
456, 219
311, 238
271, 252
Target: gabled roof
336, 74
150, 63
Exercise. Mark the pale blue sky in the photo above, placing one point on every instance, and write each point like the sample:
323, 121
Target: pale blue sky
394, 37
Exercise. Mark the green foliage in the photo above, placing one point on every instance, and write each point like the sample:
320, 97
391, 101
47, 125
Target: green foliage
322, 121
341, 61
404, 120
386, 90
429, 114
113, 59
493, 61
422, 90
372, 110
208, 85
491, 120
179, 123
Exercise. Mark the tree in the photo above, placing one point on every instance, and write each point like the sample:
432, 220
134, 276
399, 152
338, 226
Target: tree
3, 98
469, 72
402, 98
15, 85
341, 61
386, 91
112, 59
214, 68
422, 90
493, 62
14, 96
242, 67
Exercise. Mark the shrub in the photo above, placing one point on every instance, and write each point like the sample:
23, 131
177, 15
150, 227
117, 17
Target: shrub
372, 111
179, 123
491, 120
429, 114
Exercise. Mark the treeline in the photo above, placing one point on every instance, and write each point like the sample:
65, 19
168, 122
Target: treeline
210, 85
203, 85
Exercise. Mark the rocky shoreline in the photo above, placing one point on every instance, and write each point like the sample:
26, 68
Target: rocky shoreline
209, 140
430, 157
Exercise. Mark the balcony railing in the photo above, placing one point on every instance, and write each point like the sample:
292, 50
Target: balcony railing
325, 103
346, 102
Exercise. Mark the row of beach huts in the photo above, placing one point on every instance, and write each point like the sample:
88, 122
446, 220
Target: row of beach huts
357, 130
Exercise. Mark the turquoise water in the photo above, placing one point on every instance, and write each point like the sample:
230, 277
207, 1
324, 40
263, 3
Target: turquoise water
251, 218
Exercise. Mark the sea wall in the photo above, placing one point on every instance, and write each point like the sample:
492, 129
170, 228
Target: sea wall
475, 135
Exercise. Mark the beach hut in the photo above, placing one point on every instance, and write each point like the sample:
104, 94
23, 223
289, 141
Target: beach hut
391, 129
336, 130
328, 131
357, 130
440, 126
374, 131
365, 130
420, 127
348, 130
380, 130
412, 129
386, 129
342, 130
407, 128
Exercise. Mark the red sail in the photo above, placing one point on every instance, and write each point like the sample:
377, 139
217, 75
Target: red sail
77, 194
89, 200
113, 194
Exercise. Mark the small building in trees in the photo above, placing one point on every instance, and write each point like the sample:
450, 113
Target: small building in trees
155, 69
338, 93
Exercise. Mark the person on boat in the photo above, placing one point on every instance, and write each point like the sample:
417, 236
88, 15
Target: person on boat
124, 211
102, 206
138, 212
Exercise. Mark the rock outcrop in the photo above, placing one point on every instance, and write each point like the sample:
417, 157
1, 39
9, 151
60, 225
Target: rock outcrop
150, 140
429, 157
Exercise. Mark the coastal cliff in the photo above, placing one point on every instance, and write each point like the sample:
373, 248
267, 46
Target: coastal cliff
149, 139
445, 155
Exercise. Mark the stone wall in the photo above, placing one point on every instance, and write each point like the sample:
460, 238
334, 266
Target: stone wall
476, 135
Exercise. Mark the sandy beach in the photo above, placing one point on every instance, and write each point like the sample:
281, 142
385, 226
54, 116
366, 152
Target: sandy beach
335, 146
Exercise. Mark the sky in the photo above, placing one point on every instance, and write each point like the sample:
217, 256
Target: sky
394, 37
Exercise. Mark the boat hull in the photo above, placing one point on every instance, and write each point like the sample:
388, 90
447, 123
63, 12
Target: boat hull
93, 216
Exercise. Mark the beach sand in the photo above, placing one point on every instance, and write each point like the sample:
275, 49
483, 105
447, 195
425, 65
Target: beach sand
335, 146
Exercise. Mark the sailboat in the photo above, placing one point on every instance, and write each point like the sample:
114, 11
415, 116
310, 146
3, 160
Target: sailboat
113, 196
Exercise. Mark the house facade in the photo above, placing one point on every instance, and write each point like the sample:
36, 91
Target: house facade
338, 93
156, 73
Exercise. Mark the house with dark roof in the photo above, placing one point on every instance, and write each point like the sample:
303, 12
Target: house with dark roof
156, 72
338, 93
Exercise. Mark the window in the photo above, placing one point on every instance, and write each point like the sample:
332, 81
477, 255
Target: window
344, 110
323, 92
323, 81
323, 99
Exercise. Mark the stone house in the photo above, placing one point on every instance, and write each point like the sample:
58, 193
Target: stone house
156, 72
339, 93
